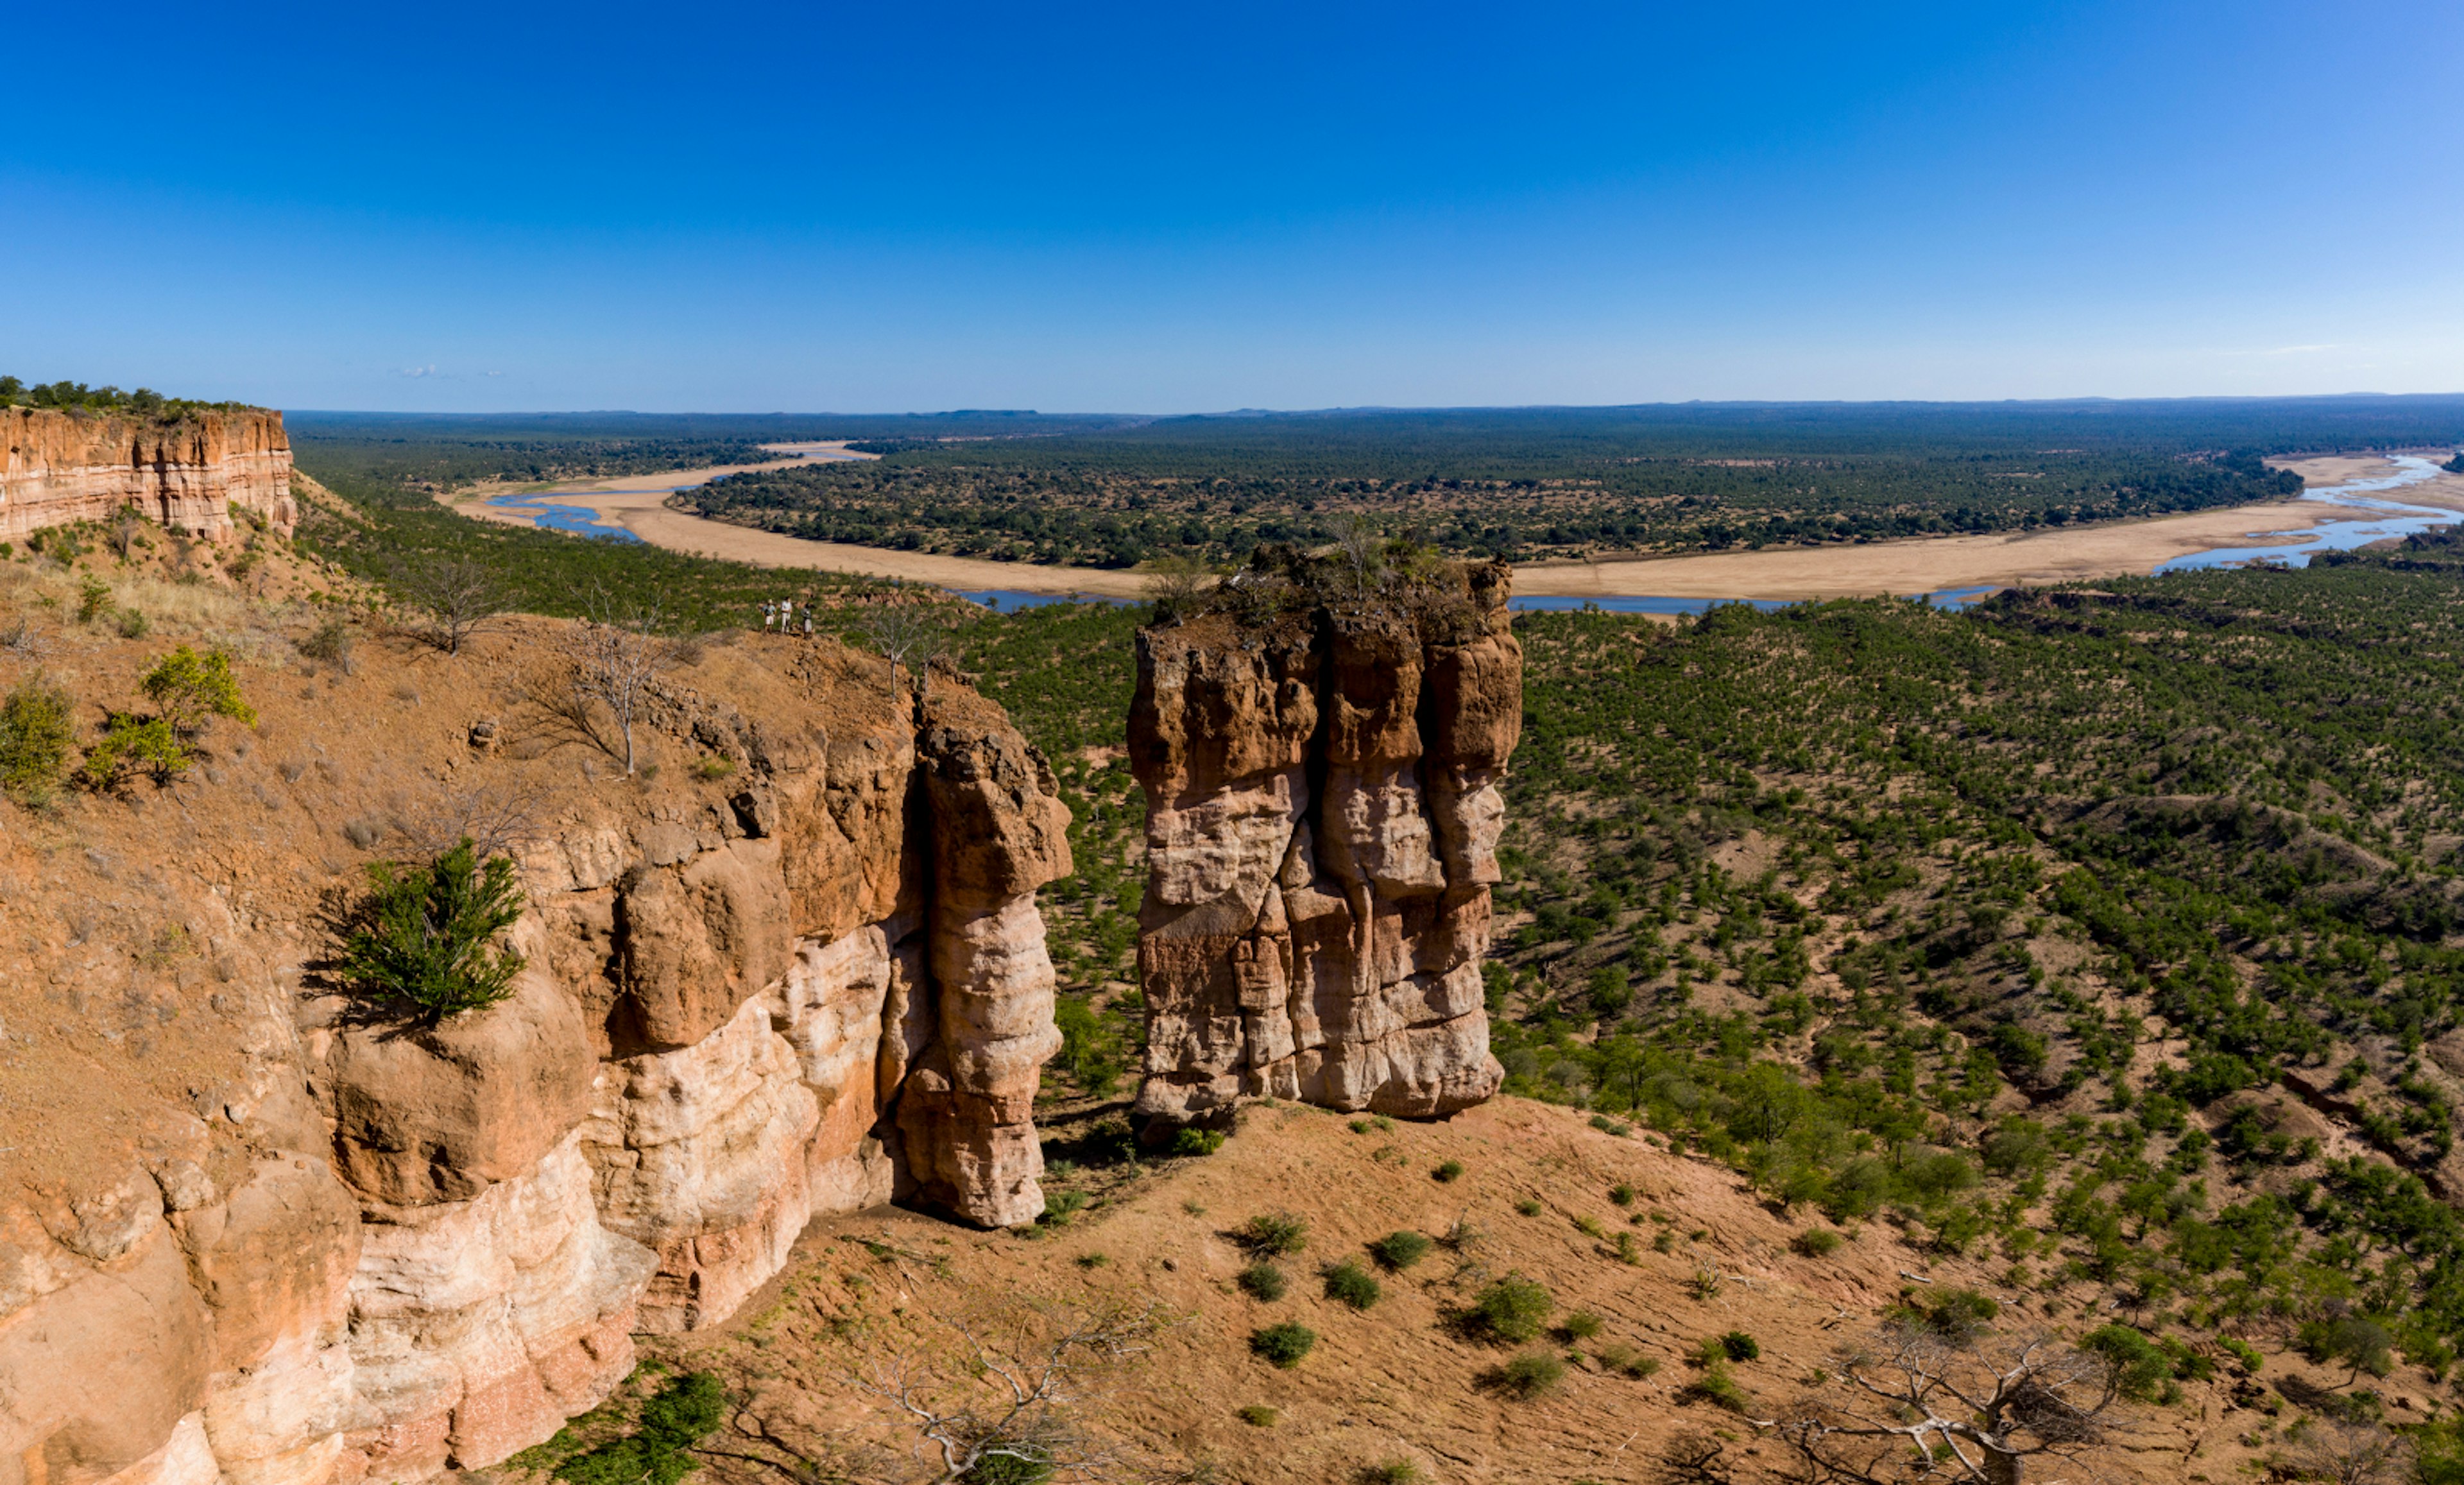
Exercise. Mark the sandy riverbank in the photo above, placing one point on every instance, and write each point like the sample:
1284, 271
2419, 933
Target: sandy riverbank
1918, 564
2446, 491
639, 505
1926, 565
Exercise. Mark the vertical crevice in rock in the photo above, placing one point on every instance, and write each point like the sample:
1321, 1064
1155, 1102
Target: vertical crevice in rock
1321, 769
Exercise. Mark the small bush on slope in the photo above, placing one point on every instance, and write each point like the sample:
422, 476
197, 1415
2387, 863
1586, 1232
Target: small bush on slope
427, 935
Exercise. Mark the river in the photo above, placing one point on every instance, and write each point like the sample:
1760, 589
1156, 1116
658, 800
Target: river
1976, 566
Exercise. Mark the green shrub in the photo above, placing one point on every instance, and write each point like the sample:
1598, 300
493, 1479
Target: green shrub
685, 1411
1274, 1233
186, 688
1258, 1415
1815, 1242
133, 624
1351, 1284
428, 936
1196, 1142
1400, 1251
1625, 1359
130, 742
1265, 1281
1611, 1126
2243, 1353
2361, 1344
1582, 1325
1059, 1206
1623, 1194
1450, 1171
1530, 1375
1717, 1387
94, 600
2139, 1368
35, 735
1528, 1206
1026, 1468
1284, 1345
1390, 1471
1740, 1347
1956, 1315
713, 765
1513, 1309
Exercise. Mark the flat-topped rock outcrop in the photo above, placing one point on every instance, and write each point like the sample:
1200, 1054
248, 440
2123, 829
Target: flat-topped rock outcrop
1321, 756
196, 473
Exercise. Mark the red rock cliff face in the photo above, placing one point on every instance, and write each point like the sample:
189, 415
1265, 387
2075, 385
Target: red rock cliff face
188, 473
338, 1245
1322, 820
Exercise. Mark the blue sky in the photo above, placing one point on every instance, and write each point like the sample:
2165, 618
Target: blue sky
1195, 208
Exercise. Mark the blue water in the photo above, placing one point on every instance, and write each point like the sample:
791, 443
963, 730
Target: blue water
581, 521
2337, 536
571, 520
1006, 600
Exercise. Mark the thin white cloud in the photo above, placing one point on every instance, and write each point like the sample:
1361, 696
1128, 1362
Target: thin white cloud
427, 371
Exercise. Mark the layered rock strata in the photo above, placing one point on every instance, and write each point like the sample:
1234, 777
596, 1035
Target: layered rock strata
189, 473
1323, 811
375, 1248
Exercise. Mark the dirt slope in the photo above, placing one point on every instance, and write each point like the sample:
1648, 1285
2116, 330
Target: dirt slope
1400, 1381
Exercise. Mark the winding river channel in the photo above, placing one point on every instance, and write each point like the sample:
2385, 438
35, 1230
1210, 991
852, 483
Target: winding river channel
1563, 587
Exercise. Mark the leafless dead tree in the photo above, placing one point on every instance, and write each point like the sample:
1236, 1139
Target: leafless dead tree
497, 821
617, 653
459, 596
1362, 548
1174, 582
908, 635
2341, 1451
21, 639
1914, 1406
126, 528
1003, 1392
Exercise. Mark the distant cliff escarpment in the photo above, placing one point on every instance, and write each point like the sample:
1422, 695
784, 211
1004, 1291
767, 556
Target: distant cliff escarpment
193, 470
1321, 746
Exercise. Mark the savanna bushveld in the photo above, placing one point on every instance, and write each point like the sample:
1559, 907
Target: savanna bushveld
2004, 1042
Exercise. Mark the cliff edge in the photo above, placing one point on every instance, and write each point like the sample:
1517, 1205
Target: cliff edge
255, 1228
1321, 750
187, 472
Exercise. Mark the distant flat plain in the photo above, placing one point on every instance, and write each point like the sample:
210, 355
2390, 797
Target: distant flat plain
1918, 564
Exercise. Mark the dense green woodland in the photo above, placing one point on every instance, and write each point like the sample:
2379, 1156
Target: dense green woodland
1532, 483
408, 458
77, 397
1522, 483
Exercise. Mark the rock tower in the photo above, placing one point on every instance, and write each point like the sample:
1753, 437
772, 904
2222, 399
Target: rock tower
1321, 756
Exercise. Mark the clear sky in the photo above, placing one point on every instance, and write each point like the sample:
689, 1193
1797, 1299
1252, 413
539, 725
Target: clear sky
1184, 207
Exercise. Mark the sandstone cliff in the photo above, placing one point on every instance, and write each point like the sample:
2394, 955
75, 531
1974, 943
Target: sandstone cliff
254, 1231
186, 473
1321, 775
